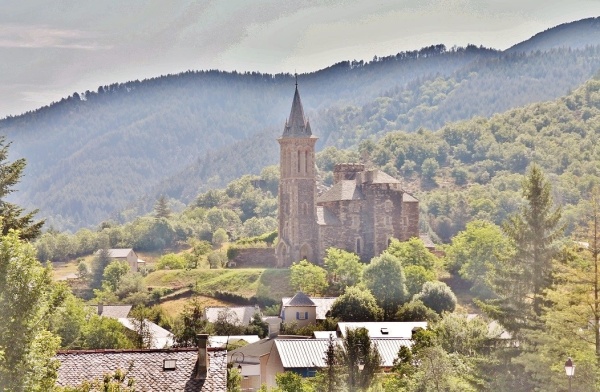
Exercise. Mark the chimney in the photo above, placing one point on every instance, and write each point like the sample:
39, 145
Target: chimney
202, 365
274, 325
100, 308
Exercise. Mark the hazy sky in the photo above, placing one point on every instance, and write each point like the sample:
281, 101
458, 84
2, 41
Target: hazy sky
52, 48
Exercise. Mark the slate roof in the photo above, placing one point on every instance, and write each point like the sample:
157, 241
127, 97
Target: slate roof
300, 299
408, 198
119, 253
342, 190
310, 353
220, 341
327, 218
377, 329
380, 177
113, 311
323, 305
296, 125
161, 338
244, 314
146, 368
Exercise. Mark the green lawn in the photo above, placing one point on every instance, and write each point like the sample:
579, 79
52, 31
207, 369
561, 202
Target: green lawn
246, 282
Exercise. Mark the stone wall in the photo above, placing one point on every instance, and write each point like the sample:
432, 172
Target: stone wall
254, 257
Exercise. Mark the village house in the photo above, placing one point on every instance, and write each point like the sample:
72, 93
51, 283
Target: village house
127, 255
304, 310
199, 369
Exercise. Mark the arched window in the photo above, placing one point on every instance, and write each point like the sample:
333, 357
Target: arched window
358, 246
306, 162
298, 161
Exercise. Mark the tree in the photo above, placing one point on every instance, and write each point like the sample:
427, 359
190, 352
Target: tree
520, 281
114, 272
82, 270
412, 252
161, 208
289, 382
219, 237
101, 260
28, 298
358, 349
143, 335
190, 323
416, 311
308, 278
344, 268
476, 252
416, 277
104, 333
171, 261
11, 215
437, 296
385, 279
227, 323
356, 304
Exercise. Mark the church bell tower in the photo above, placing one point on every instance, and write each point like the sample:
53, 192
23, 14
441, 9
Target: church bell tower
297, 189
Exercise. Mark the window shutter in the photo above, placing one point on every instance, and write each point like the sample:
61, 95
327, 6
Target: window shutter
306, 315
297, 315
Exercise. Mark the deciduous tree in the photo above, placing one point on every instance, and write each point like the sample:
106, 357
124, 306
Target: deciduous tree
385, 279
308, 278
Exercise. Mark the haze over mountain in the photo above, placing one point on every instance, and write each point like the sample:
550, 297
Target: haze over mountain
93, 154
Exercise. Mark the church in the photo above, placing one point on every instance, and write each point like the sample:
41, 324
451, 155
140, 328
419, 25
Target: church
360, 213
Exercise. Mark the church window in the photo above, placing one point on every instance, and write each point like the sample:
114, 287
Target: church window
306, 162
358, 246
298, 161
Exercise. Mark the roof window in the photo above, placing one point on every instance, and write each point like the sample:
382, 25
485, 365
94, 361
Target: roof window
169, 364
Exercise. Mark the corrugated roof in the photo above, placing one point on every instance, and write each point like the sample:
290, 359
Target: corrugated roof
243, 314
310, 353
302, 353
342, 190
378, 329
146, 368
326, 217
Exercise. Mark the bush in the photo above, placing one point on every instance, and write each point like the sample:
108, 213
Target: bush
171, 261
437, 296
217, 260
416, 311
416, 276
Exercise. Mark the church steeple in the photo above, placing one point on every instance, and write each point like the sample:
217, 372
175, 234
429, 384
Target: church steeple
297, 125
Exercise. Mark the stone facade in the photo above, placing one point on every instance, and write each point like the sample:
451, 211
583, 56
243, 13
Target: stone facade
253, 258
361, 212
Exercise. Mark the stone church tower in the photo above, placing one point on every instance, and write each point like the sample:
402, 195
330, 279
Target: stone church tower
297, 190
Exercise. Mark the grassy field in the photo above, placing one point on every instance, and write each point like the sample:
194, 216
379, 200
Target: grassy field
246, 282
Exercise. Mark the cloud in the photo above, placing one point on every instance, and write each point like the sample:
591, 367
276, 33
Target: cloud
40, 36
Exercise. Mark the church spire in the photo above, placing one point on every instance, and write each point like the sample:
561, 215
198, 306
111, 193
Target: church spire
296, 125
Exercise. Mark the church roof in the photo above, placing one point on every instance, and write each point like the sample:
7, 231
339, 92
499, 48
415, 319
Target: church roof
297, 125
380, 177
342, 190
326, 217
408, 198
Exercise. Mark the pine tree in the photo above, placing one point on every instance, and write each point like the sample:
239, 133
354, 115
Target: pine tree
161, 208
519, 282
11, 215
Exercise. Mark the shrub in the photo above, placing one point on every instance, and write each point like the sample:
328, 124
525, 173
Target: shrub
171, 261
437, 296
416, 311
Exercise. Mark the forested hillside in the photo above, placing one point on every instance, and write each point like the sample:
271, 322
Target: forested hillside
118, 148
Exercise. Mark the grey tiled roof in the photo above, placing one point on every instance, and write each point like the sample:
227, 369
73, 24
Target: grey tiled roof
323, 305
342, 190
380, 177
119, 253
300, 299
244, 314
113, 311
146, 368
408, 198
297, 126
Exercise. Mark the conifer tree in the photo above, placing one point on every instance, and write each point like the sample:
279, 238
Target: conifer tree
161, 208
520, 280
11, 215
